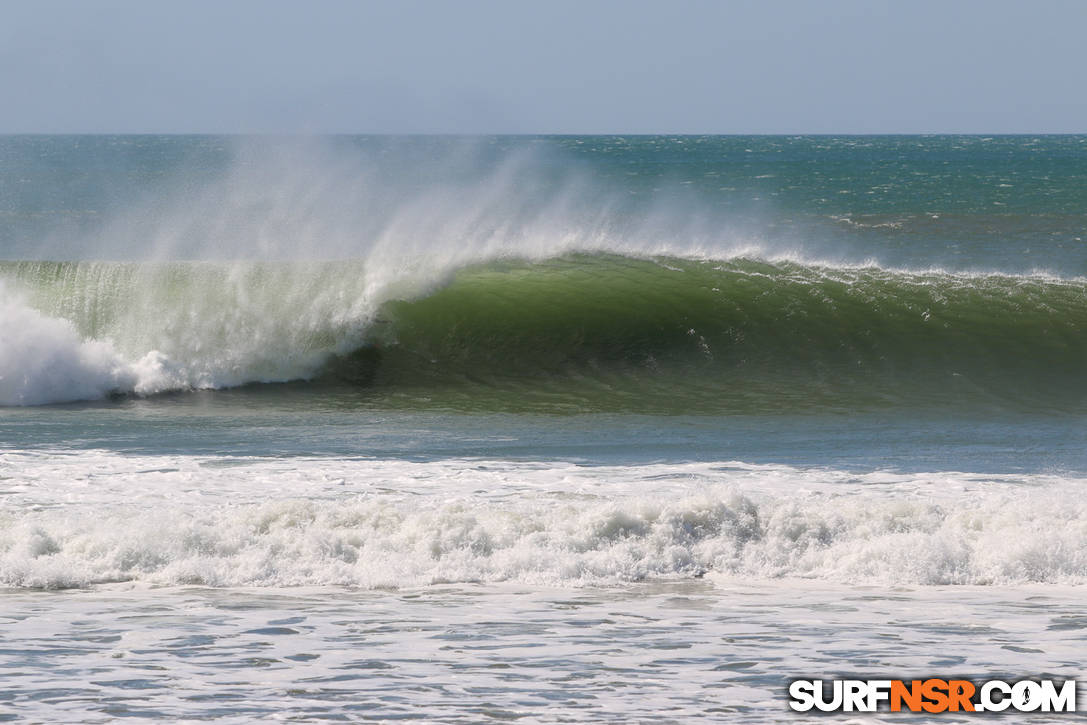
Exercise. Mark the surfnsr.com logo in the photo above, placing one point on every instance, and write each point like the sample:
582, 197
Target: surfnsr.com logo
932, 695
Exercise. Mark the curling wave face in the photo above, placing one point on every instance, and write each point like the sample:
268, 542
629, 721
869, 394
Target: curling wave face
576, 332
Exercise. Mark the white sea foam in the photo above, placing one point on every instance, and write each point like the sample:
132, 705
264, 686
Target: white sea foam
699, 653
43, 359
79, 520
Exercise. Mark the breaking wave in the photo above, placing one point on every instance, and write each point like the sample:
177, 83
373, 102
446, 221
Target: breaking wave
572, 332
488, 276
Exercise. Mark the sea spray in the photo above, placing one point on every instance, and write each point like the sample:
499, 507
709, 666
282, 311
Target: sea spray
230, 281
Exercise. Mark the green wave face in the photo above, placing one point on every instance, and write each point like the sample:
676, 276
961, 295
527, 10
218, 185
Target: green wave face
590, 332
670, 335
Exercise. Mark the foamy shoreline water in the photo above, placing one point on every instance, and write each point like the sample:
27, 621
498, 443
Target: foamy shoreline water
711, 650
74, 521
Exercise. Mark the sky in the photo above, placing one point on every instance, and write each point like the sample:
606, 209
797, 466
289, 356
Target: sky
554, 66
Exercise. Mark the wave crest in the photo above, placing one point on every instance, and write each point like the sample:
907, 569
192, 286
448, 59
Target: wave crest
578, 332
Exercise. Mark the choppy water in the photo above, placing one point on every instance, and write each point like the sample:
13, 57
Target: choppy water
544, 428
671, 651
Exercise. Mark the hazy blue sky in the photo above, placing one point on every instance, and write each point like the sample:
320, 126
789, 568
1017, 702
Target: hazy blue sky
555, 66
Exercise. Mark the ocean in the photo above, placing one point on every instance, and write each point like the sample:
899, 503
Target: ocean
545, 429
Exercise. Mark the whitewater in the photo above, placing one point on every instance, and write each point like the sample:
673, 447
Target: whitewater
553, 429
386, 524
